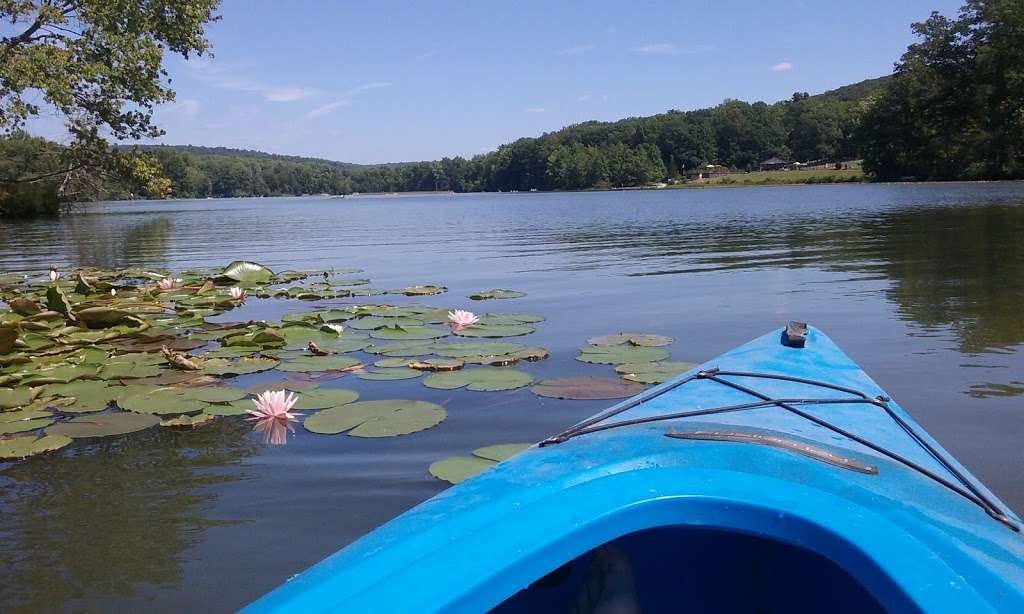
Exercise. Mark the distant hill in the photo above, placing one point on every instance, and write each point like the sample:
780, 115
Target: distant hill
858, 91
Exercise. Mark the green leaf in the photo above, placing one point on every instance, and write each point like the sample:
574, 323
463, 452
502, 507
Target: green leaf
386, 418
247, 272
309, 364
587, 388
163, 401
653, 372
403, 349
620, 354
22, 426
103, 425
640, 339
323, 398
420, 290
188, 421
216, 394
16, 397
21, 447
459, 468
374, 323
57, 301
295, 385
496, 293
240, 366
461, 350
409, 333
494, 330
390, 374
8, 335
88, 395
479, 379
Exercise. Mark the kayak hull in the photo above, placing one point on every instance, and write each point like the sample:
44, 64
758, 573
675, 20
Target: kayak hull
909, 541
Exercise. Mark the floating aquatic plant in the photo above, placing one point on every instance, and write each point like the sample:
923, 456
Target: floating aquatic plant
459, 468
461, 318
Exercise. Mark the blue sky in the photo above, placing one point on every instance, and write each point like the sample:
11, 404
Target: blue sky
387, 81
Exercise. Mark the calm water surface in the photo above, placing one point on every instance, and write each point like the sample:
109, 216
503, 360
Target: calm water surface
922, 284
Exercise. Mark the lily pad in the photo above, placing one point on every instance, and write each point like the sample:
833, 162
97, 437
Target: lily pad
87, 395
402, 349
295, 385
392, 363
386, 418
461, 350
374, 322
437, 364
480, 379
247, 272
620, 354
495, 330
21, 447
409, 333
421, 290
103, 425
188, 421
587, 388
217, 394
511, 318
323, 398
17, 397
459, 468
25, 425
390, 374
8, 335
234, 408
24, 414
653, 372
309, 363
496, 293
239, 366
640, 339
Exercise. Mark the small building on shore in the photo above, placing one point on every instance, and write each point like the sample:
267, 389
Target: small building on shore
775, 164
707, 171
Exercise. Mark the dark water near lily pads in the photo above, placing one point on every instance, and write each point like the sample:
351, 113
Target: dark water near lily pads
922, 284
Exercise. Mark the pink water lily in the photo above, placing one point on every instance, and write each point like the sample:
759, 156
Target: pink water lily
54, 273
460, 318
338, 328
165, 284
237, 294
274, 404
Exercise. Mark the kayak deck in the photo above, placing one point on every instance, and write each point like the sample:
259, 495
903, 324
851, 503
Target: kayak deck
783, 493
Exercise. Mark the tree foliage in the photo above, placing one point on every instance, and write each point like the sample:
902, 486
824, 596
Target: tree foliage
955, 107
99, 65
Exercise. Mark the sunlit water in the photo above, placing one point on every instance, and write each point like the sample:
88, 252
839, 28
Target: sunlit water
922, 284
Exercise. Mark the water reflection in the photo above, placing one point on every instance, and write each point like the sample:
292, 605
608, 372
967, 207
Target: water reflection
273, 431
103, 519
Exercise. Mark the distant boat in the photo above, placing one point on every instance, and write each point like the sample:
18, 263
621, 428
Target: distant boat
777, 477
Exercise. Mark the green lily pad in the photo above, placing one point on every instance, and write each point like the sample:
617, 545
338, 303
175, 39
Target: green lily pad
103, 425
57, 301
462, 350
403, 349
459, 468
386, 418
437, 364
479, 379
24, 414
22, 447
390, 374
620, 354
587, 388
420, 290
409, 333
495, 330
374, 322
323, 398
640, 339
216, 394
240, 366
23, 426
510, 318
392, 363
247, 272
295, 385
88, 395
167, 400
104, 317
653, 372
63, 374
496, 293
309, 363
24, 306
188, 421
17, 397
234, 408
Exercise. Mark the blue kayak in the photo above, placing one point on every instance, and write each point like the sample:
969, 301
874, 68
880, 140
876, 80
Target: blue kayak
777, 477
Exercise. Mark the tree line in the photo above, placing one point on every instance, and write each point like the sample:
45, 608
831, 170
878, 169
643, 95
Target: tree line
953, 109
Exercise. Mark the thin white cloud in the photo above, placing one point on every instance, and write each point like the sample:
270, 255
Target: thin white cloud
657, 49
288, 94
534, 110
327, 108
782, 67
585, 98
224, 77
578, 49
345, 99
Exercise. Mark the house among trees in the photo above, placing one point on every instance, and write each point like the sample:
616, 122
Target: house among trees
707, 171
775, 164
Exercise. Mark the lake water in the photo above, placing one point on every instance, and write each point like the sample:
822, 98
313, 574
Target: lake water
922, 284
